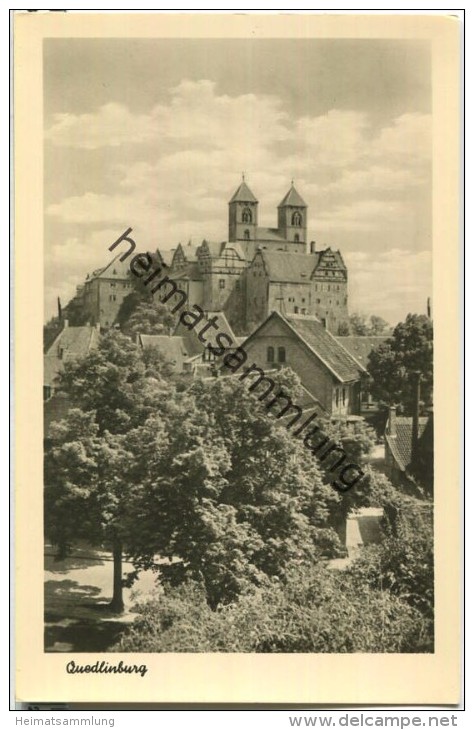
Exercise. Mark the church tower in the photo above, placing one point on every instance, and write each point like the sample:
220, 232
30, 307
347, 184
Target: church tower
292, 223
243, 214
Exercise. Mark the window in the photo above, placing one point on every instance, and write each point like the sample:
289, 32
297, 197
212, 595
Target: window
318, 301
281, 354
337, 396
112, 284
221, 283
246, 235
237, 285
246, 215
297, 238
297, 310
270, 354
296, 219
343, 396
303, 300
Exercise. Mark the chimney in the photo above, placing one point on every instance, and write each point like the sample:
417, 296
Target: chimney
428, 307
312, 246
392, 420
416, 416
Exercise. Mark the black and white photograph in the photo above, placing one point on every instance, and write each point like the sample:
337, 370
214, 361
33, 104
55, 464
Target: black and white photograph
239, 404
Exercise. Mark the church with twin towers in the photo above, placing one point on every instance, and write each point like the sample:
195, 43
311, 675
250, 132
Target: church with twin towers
255, 271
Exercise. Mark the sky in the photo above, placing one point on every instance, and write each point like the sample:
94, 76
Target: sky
154, 135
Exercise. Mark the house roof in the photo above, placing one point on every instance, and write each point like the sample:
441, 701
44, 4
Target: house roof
72, 342
172, 347
190, 271
243, 194
288, 266
215, 248
400, 445
193, 345
327, 348
293, 198
167, 255
361, 347
115, 269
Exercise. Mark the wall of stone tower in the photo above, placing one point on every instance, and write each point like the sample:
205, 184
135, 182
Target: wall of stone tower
237, 226
285, 226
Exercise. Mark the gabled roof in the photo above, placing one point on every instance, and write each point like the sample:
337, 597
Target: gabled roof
189, 271
270, 234
243, 194
320, 342
115, 269
341, 363
361, 347
173, 348
288, 266
193, 345
167, 255
293, 198
400, 445
215, 248
72, 342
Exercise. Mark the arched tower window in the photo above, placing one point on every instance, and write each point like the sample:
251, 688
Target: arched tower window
297, 238
247, 235
296, 219
270, 354
246, 215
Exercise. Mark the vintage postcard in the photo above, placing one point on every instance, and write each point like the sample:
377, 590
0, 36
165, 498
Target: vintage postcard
237, 358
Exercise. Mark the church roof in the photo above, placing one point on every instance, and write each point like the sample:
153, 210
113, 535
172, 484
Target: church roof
243, 194
293, 198
270, 234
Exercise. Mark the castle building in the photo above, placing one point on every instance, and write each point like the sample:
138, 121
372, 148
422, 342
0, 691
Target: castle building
104, 291
256, 271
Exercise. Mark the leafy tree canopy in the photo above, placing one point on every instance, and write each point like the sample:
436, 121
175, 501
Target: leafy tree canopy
393, 364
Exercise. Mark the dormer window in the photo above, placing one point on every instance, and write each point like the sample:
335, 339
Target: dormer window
246, 215
296, 219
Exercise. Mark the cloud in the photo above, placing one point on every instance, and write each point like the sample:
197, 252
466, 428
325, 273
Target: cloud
169, 171
389, 282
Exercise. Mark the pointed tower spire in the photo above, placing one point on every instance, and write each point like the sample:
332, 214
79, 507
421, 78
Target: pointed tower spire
243, 214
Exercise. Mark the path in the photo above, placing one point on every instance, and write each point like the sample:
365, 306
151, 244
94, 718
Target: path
77, 591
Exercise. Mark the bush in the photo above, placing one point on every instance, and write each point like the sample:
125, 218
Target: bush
318, 611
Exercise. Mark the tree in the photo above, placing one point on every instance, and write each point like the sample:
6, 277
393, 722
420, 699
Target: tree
237, 499
358, 324
343, 329
92, 465
378, 326
149, 318
393, 364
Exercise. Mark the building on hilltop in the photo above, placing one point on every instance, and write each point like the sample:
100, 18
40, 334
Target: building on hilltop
312, 284
104, 291
290, 235
256, 271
